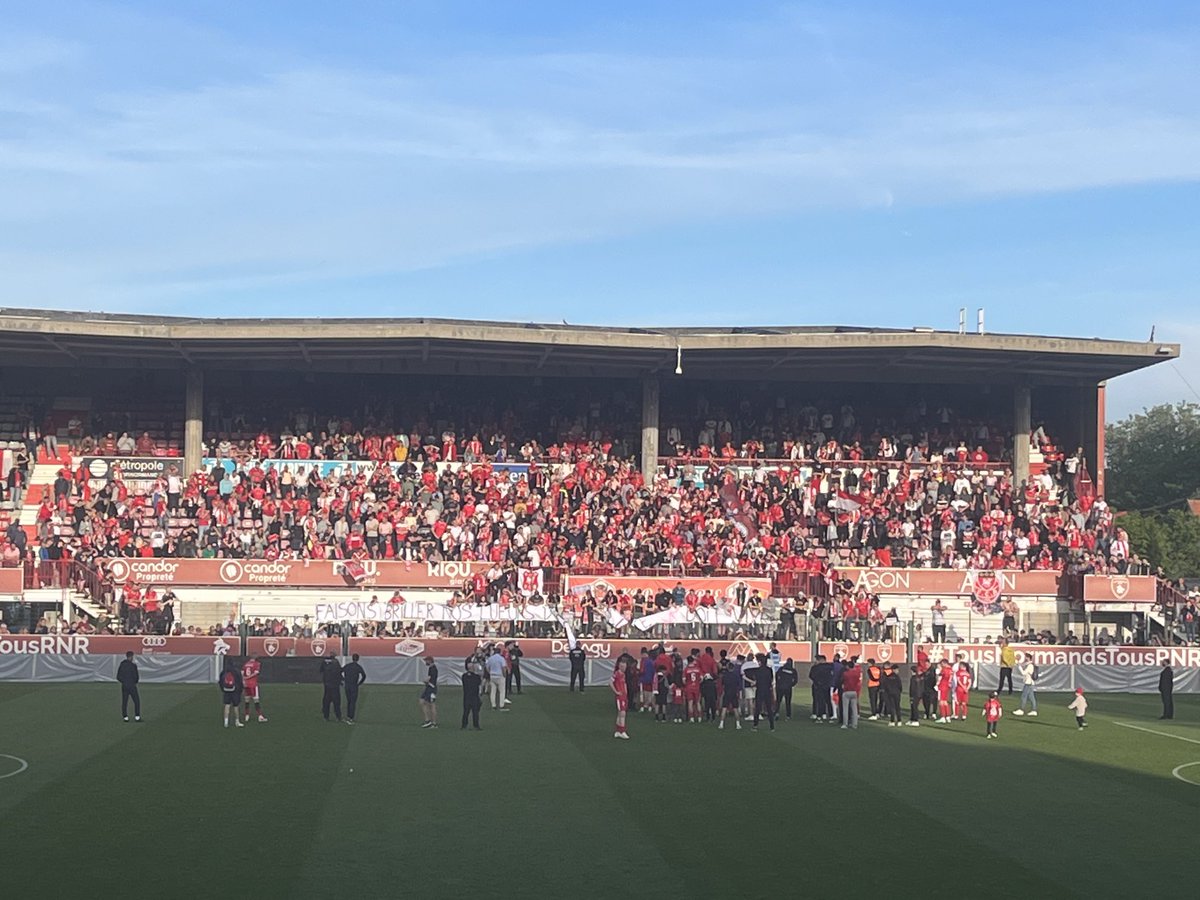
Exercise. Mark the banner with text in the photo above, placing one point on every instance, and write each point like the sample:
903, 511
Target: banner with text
722, 586
543, 648
965, 582
431, 610
388, 574
118, 645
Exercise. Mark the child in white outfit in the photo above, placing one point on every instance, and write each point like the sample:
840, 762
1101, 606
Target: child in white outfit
1079, 704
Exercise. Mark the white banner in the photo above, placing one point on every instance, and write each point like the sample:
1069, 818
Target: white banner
704, 615
426, 611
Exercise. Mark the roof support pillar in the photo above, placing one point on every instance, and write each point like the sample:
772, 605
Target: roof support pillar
193, 425
650, 397
1022, 413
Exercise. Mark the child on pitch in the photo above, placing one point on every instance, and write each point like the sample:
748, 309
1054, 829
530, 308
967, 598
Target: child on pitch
676, 702
1079, 704
992, 711
662, 694
620, 687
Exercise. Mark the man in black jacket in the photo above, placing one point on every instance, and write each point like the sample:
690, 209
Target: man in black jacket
513, 678
821, 676
1166, 690
472, 686
785, 680
331, 677
354, 677
929, 692
231, 685
127, 674
577, 655
916, 690
764, 695
891, 687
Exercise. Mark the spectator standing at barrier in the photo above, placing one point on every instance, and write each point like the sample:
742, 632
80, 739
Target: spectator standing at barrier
428, 698
1166, 690
127, 675
891, 687
472, 685
939, 622
497, 670
230, 683
1008, 659
331, 678
355, 677
785, 682
850, 686
1029, 675
577, 655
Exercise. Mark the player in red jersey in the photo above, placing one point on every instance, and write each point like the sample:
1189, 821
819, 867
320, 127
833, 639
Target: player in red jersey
621, 692
250, 672
692, 675
962, 690
944, 689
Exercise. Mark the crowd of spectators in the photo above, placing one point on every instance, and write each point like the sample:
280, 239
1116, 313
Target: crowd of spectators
801, 489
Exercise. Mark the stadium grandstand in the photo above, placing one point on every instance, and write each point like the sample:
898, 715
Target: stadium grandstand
846, 477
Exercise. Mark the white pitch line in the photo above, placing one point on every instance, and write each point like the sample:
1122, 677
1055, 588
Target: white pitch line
24, 765
1175, 771
1177, 737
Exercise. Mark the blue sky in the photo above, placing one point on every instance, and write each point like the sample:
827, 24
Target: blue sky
650, 163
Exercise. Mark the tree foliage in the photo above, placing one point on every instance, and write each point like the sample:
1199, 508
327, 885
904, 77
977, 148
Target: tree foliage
1153, 468
1154, 458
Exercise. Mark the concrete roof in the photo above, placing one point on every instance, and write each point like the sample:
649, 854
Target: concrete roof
817, 353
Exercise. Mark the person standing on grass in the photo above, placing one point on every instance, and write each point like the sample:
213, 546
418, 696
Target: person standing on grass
514, 668
577, 655
472, 686
821, 674
620, 688
1079, 704
127, 674
251, 669
992, 711
497, 669
850, 686
331, 678
646, 681
891, 688
1008, 658
916, 692
1166, 690
764, 693
1029, 677
731, 698
945, 688
962, 690
230, 683
785, 682
428, 699
874, 672
354, 676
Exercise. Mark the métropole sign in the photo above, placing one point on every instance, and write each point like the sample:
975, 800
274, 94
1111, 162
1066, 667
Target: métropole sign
133, 468
290, 573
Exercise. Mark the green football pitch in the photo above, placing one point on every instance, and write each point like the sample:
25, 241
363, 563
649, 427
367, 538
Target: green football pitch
544, 802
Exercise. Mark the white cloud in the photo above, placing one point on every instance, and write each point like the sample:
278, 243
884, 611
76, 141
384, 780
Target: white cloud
117, 195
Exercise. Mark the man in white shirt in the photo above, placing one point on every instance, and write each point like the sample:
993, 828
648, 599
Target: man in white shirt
497, 669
